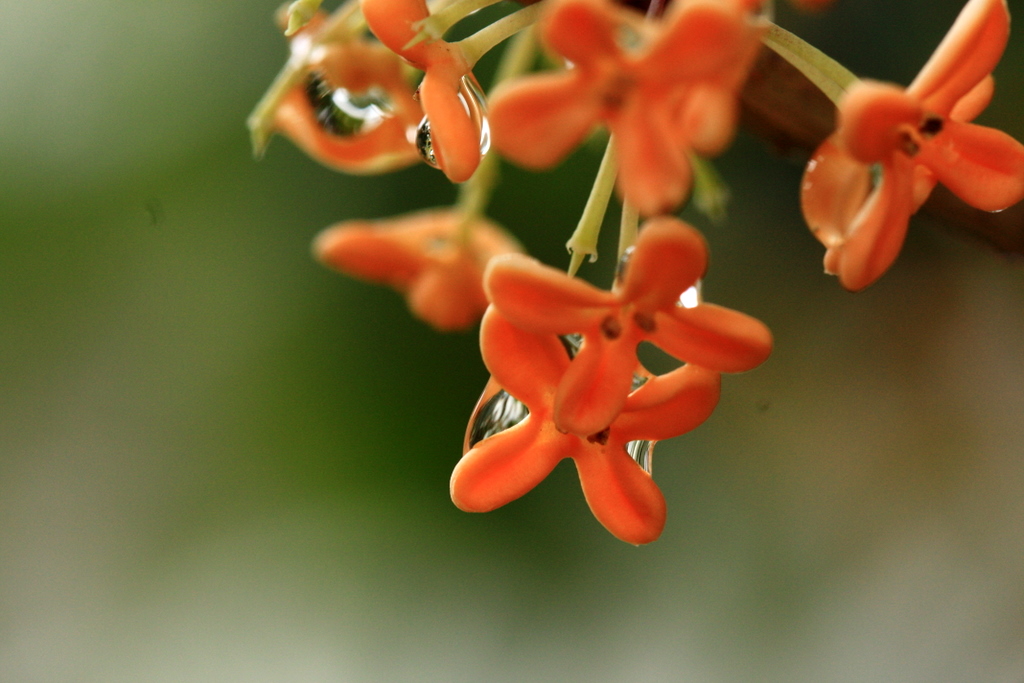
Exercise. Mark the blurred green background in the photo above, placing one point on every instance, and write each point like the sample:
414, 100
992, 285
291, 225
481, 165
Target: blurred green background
221, 462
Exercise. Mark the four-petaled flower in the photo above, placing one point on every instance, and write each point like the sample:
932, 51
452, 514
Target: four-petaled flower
622, 496
664, 88
669, 258
451, 108
917, 136
428, 256
355, 109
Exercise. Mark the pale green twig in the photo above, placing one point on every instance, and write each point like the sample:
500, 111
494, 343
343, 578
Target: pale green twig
629, 227
437, 24
584, 239
831, 77
477, 45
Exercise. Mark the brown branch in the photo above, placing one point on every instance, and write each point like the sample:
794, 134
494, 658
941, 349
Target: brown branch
782, 107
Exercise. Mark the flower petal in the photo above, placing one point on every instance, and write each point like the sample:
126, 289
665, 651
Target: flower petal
982, 166
582, 31
874, 119
671, 404
700, 39
974, 102
621, 495
655, 177
454, 133
529, 366
876, 234
391, 21
506, 466
371, 251
539, 298
669, 257
536, 121
968, 53
594, 388
832, 192
449, 295
382, 149
713, 337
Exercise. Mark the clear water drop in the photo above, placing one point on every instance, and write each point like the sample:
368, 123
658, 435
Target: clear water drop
691, 298
641, 452
424, 144
344, 112
475, 105
496, 411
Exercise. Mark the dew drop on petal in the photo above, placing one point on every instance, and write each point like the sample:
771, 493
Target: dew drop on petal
641, 452
494, 414
424, 145
691, 298
344, 112
475, 104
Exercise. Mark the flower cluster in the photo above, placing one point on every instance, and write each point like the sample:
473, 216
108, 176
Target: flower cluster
661, 82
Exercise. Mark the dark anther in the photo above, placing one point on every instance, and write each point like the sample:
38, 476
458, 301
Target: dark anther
644, 321
931, 126
909, 145
601, 437
611, 328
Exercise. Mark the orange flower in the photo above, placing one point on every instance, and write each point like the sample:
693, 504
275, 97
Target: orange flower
673, 93
355, 110
448, 92
422, 256
917, 137
500, 467
669, 257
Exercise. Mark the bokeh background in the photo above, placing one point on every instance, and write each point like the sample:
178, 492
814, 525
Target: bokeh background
221, 462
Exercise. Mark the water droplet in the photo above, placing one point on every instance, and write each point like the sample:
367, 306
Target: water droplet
496, 411
343, 112
623, 264
475, 104
691, 298
641, 452
424, 145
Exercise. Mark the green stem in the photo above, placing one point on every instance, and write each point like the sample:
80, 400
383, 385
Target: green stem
831, 77
437, 24
475, 194
584, 239
629, 227
480, 43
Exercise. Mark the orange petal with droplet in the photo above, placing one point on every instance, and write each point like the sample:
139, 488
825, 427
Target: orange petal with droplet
877, 233
669, 257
